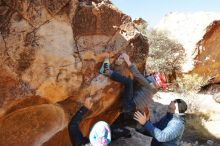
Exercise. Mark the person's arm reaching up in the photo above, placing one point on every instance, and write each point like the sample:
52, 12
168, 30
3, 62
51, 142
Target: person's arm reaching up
138, 76
73, 127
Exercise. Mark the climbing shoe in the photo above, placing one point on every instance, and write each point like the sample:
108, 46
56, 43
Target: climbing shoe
105, 66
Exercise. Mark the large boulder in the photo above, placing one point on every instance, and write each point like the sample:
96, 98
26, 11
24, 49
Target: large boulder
207, 59
32, 125
199, 34
50, 53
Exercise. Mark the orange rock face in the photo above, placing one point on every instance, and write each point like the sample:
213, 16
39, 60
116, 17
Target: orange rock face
208, 60
50, 55
32, 125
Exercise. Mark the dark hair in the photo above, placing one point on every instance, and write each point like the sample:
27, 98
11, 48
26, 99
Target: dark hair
181, 105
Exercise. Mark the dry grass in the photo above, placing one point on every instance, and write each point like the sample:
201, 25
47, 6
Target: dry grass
195, 130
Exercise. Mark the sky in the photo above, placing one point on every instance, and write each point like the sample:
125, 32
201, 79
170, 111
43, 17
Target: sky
154, 10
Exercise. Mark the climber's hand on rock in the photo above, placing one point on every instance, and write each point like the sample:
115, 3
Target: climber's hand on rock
141, 118
126, 58
88, 103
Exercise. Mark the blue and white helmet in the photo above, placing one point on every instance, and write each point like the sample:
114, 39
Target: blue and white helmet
100, 134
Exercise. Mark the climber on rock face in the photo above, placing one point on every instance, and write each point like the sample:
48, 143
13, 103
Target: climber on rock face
100, 134
141, 95
132, 98
169, 129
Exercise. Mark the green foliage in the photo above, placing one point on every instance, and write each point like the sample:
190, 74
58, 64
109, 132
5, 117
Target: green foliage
165, 55
190, 83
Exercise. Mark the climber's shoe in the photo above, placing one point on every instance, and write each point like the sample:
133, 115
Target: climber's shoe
105, 66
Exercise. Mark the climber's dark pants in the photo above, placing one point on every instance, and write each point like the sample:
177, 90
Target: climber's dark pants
126, 117
127, 94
